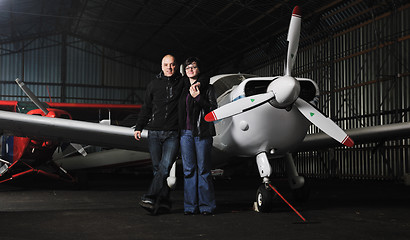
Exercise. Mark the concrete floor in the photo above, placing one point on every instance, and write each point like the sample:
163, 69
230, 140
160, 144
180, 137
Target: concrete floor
38, 208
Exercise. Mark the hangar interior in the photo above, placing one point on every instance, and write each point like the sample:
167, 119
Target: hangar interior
106, 51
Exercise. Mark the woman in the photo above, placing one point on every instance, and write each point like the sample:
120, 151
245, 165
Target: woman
197, 99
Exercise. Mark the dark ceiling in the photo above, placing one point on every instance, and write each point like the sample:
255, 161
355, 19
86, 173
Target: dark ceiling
216, 31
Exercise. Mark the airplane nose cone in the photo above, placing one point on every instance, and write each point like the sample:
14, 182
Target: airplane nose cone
286, 90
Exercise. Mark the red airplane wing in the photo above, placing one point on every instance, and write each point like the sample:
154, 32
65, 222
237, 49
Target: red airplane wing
8, 105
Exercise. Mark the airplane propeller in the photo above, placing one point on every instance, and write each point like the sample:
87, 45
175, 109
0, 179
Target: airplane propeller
323, 123
239, 106
37, 102
31, 95
283, 92
293, 39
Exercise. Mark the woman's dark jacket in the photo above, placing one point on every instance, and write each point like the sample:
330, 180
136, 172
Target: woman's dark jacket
160, 109
198, 108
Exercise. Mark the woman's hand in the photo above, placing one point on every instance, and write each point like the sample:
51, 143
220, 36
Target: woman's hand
194, 89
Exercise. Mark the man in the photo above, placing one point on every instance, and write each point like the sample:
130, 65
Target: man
159, 115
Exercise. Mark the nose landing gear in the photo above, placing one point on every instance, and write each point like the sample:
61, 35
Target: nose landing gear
266, 193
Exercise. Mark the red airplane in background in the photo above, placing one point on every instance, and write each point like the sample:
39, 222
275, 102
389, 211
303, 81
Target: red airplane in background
24, 155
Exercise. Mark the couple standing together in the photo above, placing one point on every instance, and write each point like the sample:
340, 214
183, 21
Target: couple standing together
173, 113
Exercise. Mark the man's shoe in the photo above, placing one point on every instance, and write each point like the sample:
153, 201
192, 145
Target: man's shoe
147, 205
206, 213
187, 213
147, 200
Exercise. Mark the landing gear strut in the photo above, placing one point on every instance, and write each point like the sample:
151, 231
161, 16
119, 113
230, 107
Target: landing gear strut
300, 189
265, 194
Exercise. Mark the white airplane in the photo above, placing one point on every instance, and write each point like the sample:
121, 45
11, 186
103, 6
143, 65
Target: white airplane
258, 117
268, 117
265, 116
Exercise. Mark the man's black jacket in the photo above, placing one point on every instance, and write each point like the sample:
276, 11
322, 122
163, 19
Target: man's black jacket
160, 109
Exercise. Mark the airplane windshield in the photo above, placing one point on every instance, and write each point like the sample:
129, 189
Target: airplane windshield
25, 107
225, 83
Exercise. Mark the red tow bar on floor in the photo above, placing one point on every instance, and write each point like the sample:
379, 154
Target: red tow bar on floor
296, 211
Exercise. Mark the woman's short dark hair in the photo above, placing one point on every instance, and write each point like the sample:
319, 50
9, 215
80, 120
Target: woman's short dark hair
190, 60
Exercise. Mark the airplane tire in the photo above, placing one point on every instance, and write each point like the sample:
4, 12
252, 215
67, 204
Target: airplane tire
264, 199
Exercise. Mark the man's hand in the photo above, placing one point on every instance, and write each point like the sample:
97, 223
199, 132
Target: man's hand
137, 135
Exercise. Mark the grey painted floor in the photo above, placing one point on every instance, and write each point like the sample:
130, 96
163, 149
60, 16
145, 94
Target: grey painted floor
38, 208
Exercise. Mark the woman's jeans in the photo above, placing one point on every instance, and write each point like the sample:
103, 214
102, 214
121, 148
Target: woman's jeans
198, 187
163, 147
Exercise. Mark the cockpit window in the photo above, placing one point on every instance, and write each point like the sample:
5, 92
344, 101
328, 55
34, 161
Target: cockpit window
226, 83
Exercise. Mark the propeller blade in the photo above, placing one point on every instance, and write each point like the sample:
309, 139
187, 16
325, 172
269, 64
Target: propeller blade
293, 39
31, 95
79, 148
238, 106
324, 123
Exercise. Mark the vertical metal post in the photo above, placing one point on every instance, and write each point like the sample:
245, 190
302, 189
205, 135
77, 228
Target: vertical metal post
63, 67
22, 62
332, 79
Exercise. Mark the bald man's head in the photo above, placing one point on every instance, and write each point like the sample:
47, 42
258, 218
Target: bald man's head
168, 65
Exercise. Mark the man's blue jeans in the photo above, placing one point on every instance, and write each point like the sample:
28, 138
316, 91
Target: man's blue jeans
198, 187
163, 147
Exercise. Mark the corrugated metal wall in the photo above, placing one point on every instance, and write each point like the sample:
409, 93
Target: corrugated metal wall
363, 74
68, 69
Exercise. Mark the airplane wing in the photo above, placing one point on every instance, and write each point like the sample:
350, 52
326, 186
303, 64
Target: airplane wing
66, 130
93, 105
120, 114
107, 158
8, 105
360, 136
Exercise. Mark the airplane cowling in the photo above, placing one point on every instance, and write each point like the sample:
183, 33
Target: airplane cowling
273, 128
